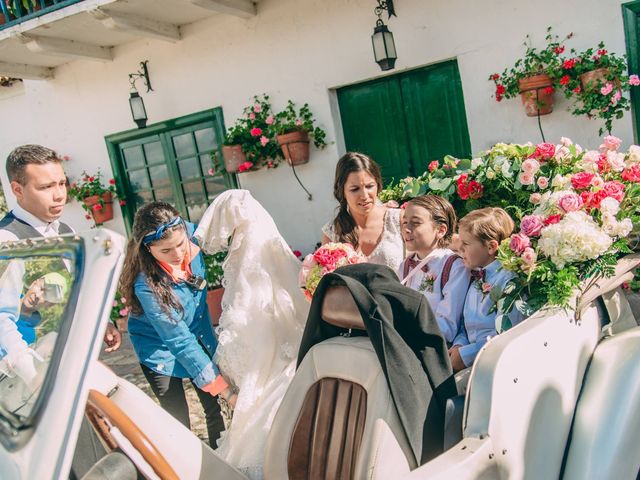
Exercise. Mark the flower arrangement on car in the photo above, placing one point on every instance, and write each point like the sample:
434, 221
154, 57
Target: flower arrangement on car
574, 209
326, 259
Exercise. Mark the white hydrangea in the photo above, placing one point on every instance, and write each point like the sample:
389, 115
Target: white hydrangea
576, 238
616, 228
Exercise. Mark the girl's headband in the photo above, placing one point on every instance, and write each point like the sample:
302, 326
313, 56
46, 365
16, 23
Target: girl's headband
157, 234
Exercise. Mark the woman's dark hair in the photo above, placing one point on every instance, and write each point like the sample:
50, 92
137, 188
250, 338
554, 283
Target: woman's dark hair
139, 259
442, 213
344, 225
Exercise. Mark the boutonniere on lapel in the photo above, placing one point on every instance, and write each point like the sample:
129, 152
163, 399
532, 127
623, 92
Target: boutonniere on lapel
428, 282
477, 277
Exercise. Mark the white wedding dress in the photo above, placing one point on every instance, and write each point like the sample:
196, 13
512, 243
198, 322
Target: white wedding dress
264, 312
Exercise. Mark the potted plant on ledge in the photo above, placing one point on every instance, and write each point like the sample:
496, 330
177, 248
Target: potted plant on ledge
215, 291
533, 77
96, 199
294, 127
249, 143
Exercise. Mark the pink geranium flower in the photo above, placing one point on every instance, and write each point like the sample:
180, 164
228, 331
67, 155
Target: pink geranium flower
255, 132
634, 80
257, 108
269, 120
607, 89
263, 140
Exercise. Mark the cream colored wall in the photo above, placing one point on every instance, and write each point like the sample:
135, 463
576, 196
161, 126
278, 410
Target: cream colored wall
302, 50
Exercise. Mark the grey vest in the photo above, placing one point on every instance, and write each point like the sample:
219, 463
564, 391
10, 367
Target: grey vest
22, 229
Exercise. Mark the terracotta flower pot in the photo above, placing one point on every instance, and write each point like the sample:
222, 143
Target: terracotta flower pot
214, 302
233, 157
105, 213
595, 79
295, 147
534, 97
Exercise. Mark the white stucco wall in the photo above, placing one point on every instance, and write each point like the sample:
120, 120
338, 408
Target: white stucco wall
302, 50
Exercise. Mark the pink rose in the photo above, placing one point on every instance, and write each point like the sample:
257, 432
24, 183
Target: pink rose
607, 89
634, 80
433, 165
529, 256
543, 182
597, 181
486, 287
544, 151
526, 178
615, 160
263, 140
614, 189
530, 165
591, 156
269, 120
535, 198
519, 242
115, 303
531, 225
581, 180
570, 202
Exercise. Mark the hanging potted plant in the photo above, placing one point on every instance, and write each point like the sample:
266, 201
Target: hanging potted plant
596, 80
215, 291
96, 199
533, 77
294, 128
250, 143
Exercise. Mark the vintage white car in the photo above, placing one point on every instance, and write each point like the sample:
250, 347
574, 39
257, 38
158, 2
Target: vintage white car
558, 396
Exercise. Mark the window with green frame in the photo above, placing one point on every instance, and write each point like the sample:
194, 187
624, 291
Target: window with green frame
169, 161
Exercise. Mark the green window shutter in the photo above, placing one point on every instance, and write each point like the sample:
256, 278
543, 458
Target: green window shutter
170, 162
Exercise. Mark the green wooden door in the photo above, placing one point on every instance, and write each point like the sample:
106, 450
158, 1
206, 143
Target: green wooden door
406, 120
631, 18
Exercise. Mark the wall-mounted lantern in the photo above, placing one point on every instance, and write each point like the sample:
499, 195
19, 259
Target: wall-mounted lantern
138, 112
384, 48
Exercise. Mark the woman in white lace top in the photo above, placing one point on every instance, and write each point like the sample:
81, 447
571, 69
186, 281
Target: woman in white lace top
362, 220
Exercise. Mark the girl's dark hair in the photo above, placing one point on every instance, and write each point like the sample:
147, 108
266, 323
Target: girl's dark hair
442, 213
139, 259
344, 225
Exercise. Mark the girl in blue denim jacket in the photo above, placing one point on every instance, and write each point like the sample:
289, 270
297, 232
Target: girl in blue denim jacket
163, 280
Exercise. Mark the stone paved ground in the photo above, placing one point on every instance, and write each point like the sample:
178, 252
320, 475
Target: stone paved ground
125, 364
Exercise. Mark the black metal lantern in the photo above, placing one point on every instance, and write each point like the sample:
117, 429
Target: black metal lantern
384, 48
138, 112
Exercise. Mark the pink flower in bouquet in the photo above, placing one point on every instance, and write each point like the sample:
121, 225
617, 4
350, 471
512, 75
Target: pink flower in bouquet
531, 225
529, 256
519, 242
632, 174
597, 181
526, 178
307, 264
433, 166
535, 198
325, 260
590, 159
544, 151
614, 189
530, 165
543, 182
581, 180
615, 160
570, 202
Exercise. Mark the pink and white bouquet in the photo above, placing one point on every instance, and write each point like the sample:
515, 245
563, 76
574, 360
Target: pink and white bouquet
326, 259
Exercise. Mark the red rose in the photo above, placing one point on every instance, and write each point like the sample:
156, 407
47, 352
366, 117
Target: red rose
97, 207
544, 151
614, 189
475, 189
582, 180
463, 188
632, 174
112, 182
255, 132
500, 89
564, 80
551, 219
568, 64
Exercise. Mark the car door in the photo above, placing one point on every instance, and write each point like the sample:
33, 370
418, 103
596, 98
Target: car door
55, 299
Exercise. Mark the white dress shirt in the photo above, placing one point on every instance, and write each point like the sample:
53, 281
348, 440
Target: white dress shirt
46, 229
479, 324
446, 303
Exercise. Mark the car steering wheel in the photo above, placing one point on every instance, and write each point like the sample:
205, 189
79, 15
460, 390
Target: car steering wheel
102, 411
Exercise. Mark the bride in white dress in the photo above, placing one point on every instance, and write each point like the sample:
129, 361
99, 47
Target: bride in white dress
263, 317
